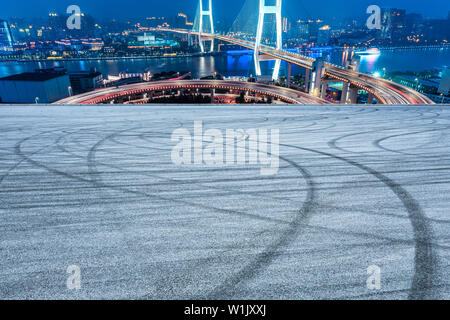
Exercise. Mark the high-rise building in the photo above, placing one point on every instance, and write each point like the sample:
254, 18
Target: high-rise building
413, 22
323, 35
56, 24
6, 38
393, 24
314, 26
286, 25
55, 21
301, 30
307, 30
436, 31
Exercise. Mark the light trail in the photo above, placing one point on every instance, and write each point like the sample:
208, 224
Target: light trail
386, 92
286, 95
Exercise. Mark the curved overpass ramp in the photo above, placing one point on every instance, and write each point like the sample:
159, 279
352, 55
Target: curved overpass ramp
288, 96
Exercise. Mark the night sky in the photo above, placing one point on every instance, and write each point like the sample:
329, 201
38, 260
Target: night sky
224, 8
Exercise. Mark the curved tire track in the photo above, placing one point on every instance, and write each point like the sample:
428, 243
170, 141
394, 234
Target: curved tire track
425, 259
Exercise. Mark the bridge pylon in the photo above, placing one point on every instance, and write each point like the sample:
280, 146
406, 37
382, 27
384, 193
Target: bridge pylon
263, 10
205, 13
316, 78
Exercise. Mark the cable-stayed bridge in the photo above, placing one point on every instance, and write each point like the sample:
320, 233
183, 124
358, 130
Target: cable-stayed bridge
319, 73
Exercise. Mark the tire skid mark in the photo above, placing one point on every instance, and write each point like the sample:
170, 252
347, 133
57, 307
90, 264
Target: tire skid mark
19, 152
18, 163
270, 252
425, 260
393, 215
378, 142
228, 288
229, 191
333, 143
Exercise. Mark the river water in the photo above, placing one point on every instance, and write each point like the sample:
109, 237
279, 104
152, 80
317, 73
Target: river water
240, 63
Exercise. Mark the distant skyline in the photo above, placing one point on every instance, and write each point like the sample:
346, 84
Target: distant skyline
120, 9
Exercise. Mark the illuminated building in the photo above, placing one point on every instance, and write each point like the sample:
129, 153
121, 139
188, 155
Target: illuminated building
393, 24
301, 31
6, 38
307, 30
147, 40
323, 35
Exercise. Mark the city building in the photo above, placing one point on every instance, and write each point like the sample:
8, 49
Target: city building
301, 31
6, 38
307, 30
444, 85
93, 44
83, 81
393, 24
286, 25
181, 21
323, 36
436, 31
41, 86
147, 40
314, 26
413, 21
56, 24
56, 21
108, 50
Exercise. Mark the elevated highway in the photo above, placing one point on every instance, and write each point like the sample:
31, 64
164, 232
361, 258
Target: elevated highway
386, 92
286, 95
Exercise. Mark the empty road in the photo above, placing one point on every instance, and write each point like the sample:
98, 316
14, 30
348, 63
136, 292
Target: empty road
95, 187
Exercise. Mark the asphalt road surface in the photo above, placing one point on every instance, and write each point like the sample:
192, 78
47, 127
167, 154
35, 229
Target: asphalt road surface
95, 187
